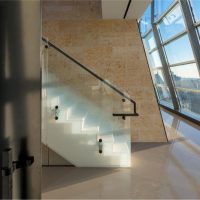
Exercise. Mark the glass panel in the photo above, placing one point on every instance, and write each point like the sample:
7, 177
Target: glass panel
161, 87
195, 7
171, 24
179, 50
44, 61
187, 82
154, 59
84, 116
145, 21
160, 7
150, 41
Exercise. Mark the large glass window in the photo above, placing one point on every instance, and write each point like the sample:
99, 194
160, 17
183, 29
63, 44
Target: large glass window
159, 77
171, 24
179, 50
195, 10
195, 7
156, 69
187, 83
149, 41
160, 6
163, 94
189, 100
179, 56
161, 86
154, 59
186, 76
145, 22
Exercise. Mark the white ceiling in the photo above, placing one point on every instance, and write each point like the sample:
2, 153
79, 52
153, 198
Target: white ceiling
115, 9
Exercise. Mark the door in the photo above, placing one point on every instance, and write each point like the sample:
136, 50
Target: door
20, 86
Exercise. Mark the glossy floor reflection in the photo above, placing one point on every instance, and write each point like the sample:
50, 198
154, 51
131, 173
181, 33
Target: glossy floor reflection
159, 171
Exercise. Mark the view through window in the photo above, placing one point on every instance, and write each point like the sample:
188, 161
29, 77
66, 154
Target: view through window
174, 36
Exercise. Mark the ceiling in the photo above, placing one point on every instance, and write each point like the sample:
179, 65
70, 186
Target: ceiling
115, 9
92, 9
71, 9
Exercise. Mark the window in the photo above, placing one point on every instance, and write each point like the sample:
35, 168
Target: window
156, 69
179, 50
161, 86
163, 94
186, 76
159, 77
195, 7
145, 22
173, 38
187, 83
160, 7
171, 24
154, 59
149, 41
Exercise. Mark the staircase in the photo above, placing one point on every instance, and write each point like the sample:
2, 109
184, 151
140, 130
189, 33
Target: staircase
86, 119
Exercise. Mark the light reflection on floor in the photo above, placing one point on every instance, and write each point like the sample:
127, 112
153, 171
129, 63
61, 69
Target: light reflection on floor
159, 171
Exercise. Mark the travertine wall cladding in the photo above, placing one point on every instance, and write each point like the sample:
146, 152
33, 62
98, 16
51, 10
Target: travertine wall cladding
113, 49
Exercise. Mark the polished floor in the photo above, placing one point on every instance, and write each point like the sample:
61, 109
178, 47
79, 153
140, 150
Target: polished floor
159, 171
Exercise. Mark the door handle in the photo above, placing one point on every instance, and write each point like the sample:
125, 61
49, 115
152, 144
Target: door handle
7, 169
10, 166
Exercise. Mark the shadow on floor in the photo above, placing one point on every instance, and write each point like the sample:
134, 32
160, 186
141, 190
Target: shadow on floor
58, 177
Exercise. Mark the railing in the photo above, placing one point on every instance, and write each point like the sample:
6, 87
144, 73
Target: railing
114, 88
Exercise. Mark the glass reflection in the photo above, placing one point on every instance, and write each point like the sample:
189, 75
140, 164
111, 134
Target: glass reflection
167, 118
192, 133
179, 50
171, 24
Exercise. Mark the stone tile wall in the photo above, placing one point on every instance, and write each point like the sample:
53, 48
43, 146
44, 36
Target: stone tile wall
114, 50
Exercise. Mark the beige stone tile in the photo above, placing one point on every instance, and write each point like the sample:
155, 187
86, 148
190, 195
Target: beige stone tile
113, 49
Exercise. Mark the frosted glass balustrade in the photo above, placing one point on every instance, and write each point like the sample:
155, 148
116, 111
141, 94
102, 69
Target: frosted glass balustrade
85, 115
